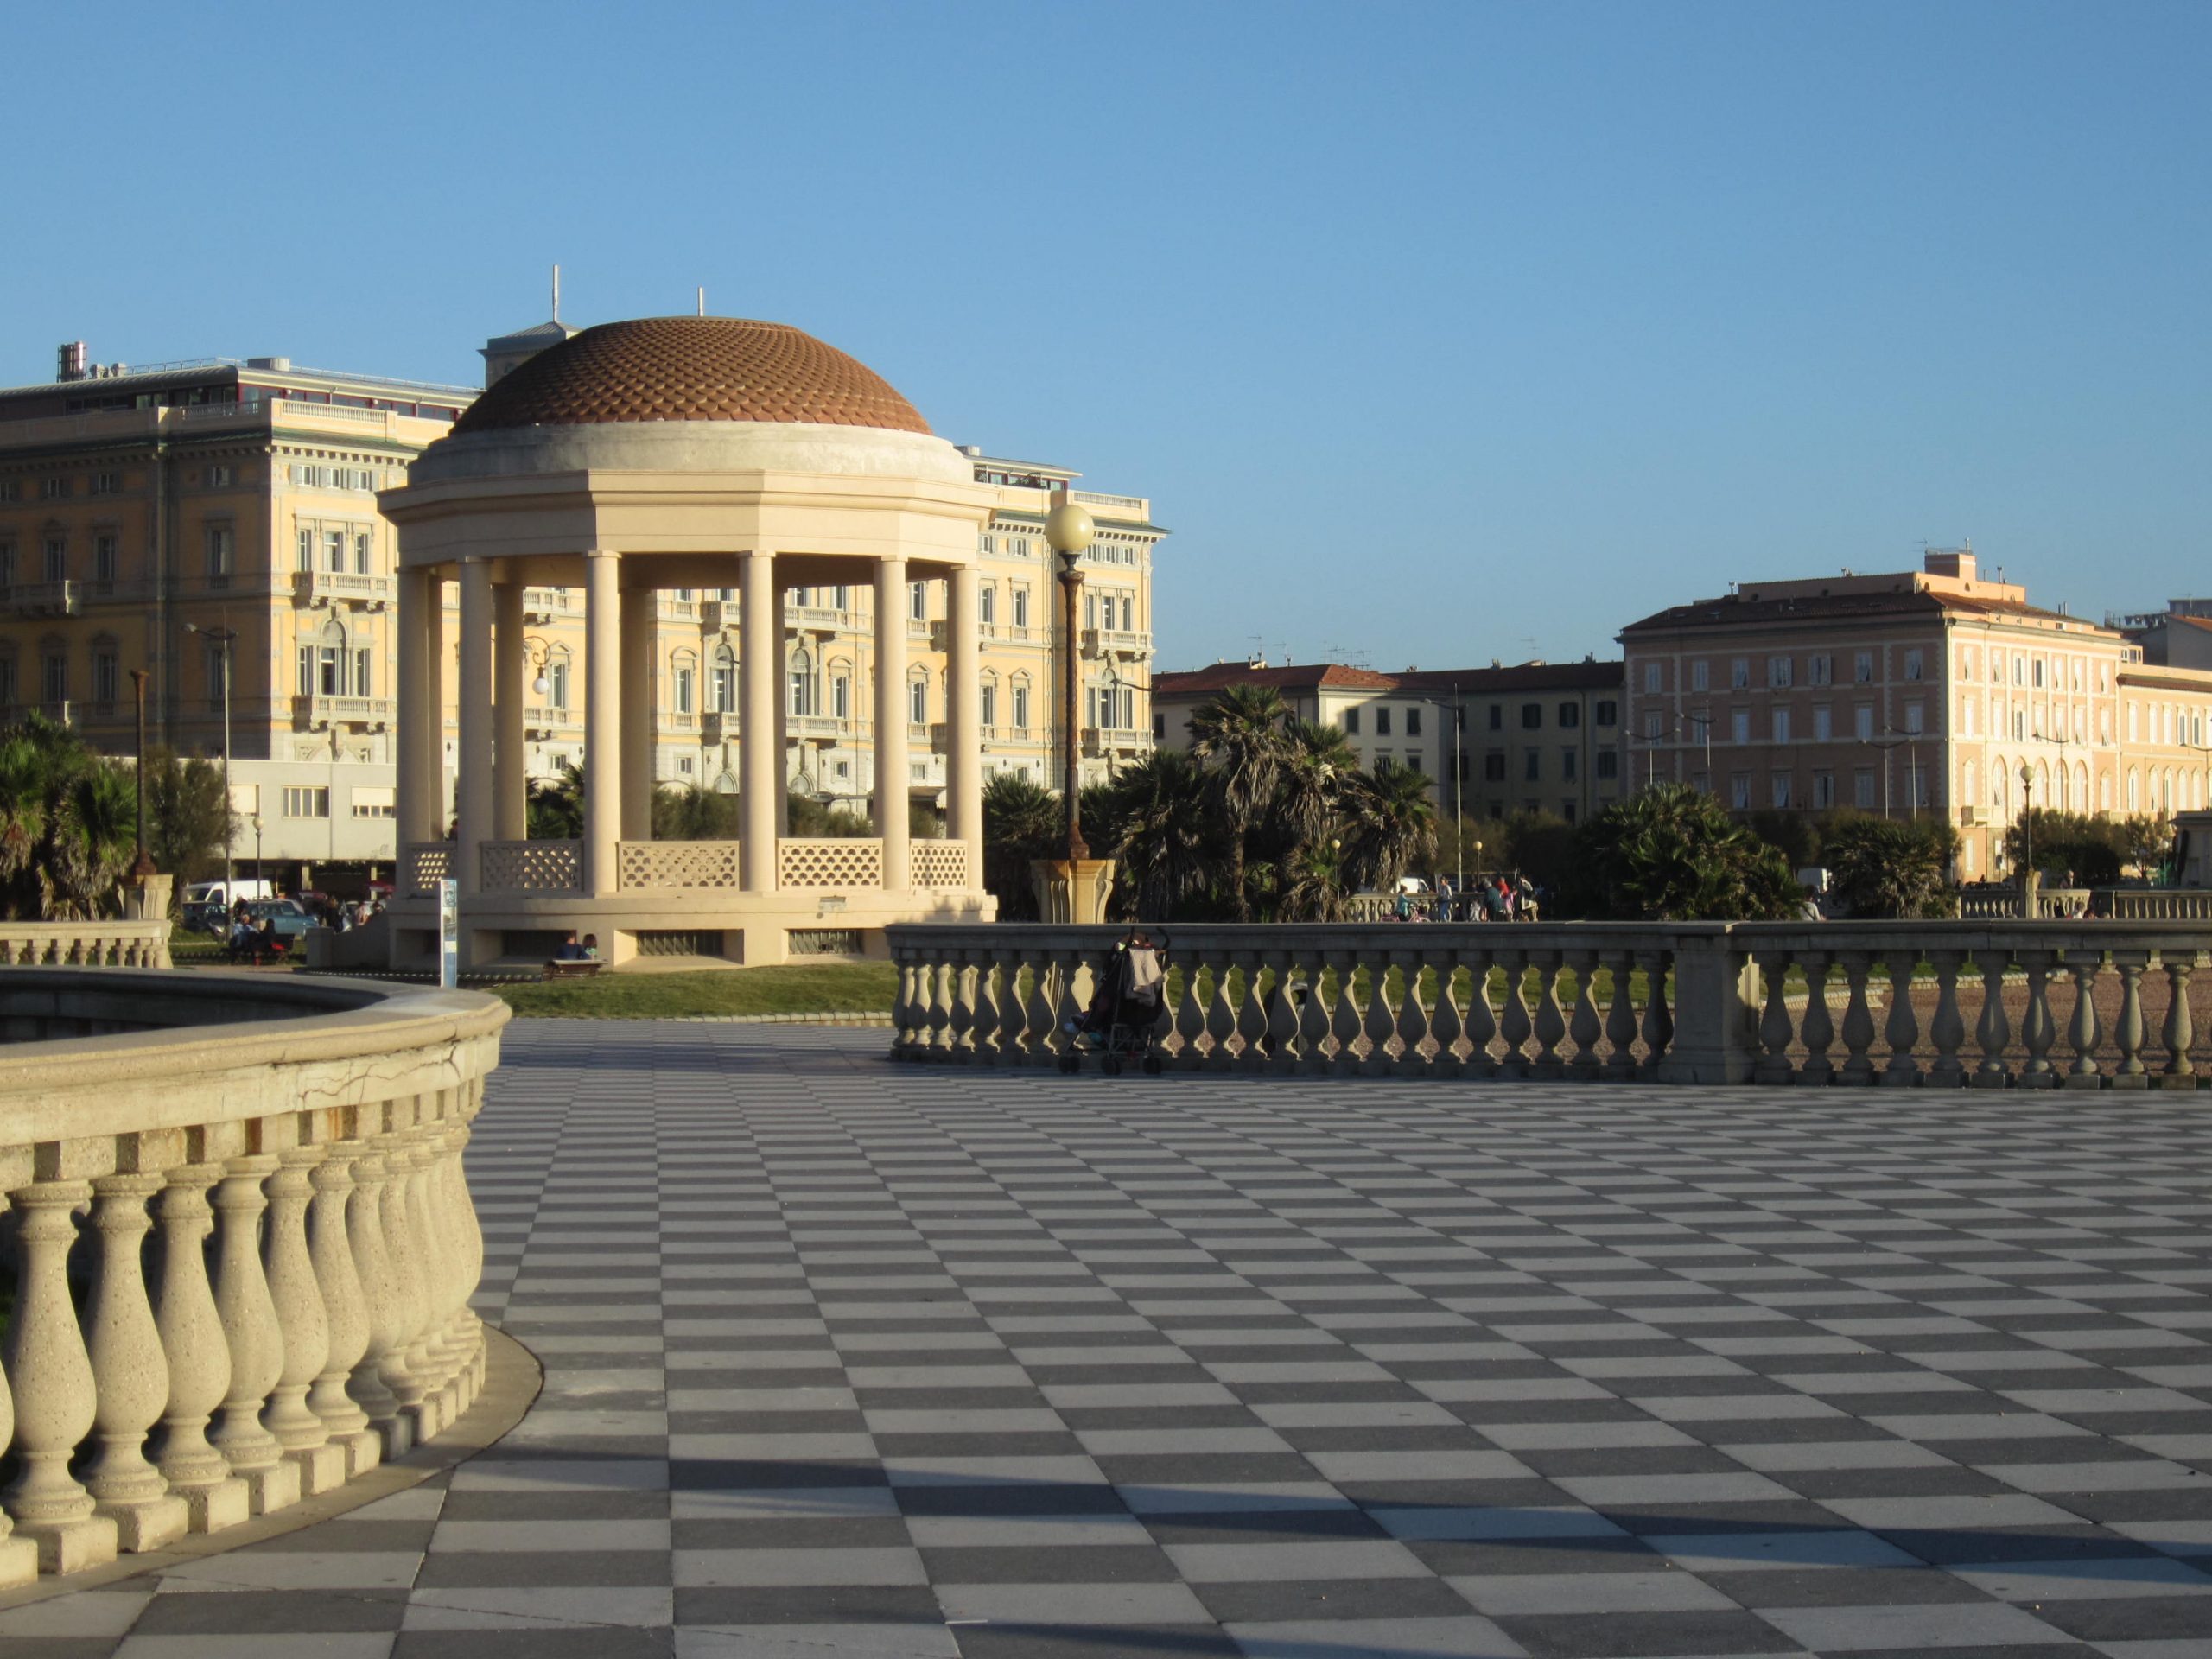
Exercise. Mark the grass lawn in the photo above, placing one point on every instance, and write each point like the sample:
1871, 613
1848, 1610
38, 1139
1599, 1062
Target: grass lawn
796, 988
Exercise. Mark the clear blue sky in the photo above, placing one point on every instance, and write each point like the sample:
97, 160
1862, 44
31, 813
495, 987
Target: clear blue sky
1437, 332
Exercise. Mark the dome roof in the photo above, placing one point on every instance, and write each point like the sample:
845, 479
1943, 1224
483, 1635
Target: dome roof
691, 369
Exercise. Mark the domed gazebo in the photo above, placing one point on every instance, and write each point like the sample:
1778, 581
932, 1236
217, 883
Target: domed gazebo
676, 453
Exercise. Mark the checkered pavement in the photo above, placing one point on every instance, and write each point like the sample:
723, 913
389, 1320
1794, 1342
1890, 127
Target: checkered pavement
844, 1358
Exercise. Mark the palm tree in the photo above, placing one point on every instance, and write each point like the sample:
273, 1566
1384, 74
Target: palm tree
1160, 803
556, 808
1317, 764
1315, 891
96, 835
23, 805
1239, 733
1390, 822
1021, 821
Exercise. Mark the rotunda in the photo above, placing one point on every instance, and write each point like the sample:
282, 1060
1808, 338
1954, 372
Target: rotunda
633, 460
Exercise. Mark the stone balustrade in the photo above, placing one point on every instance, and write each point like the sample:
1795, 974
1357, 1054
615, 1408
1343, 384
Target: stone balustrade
125, 944
313, 1130
422, 865
532, 866
2039, 1004
2158, 905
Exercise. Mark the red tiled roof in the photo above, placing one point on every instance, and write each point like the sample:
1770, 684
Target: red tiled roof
1733, 609
1288, 677
691, 369
1515, 676
1522, 676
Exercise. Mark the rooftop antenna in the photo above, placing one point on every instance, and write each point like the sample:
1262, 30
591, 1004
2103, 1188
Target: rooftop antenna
702, 300
556, 293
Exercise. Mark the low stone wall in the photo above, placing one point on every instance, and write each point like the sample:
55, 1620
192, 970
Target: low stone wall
315, 1129
127, 943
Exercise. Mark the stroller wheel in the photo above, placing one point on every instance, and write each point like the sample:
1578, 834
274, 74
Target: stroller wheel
1069, 1063
1111, 1066
1152, 1065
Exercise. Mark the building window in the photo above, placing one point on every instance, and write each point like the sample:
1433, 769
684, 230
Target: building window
7, 564
105, 674
1913, 718
222, 549
1382, 720
1818, 670
7, 681
360, 552
1570, 715
303, 672
1739, 674
1021, 708
1413, 722
362, 685
989, 704
373, 801
330, 671
556, 681
1912, 662
1532, 716
917, 600
1740, 791
1091, 610
103, 558
1823, 790
1021, 607
218, 477
57, 559
680, 687
106, 483
841, 697
1351, 721
1777, 672
57, 676
1782, 725
917, 702
987, 606
721, 683
1159, 727
1654, 723
1862, 668
1651, 678
1497, 717
306, 801
1779, 788
1823, 723
1532, 765
1609, 765
1739, 725
1494, 766
1700, 675
1862, 721
1862, 790
53, 489
1608, 714
303, 549
1566, 764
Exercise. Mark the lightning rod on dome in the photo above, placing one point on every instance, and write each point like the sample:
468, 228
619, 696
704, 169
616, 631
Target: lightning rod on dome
556, 293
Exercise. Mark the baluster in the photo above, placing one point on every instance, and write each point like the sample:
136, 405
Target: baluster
1620, 1019
2129, 1031
462, 1330
1774, 1029
1514, 1025
988, 1020
426, 1353
1344, 1017
1993, 1031
1551, 1019
1041, 1046
380, 1300
1189, 1021
124, 1346
2181, 1030
346, 1308
251, 1333
1902, 1030
1658, 1019
1251, 1016
1446, 1022
1221, 1019
1283, 1016
2037, 1029
906, 1008
198, 1357
1948, 1029
1313, 1018
1412, 1021
942, 975
52, 1378
18, 1556
961, 975
468, 1104
1482, 1018
1380, 1022
1858, 1018
303, 1326
397, 1360
1817, 1031
1584, 1025
2084, 1032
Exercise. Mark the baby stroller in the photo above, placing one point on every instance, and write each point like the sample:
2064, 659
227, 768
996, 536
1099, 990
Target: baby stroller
1124, 1006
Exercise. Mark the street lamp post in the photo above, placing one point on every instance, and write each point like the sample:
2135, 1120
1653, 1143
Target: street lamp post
2027, 841
225, 640
256, 851
142, 866
1069, 531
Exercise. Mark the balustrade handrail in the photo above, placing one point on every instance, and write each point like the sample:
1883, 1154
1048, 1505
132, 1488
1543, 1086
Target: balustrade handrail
123, 941
328, 1330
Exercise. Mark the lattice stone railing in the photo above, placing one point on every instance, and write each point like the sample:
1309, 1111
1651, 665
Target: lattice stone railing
532, 866
940, 864
2029, 1005
92, 945
423, 865
315, 1129
678, 864
829, 861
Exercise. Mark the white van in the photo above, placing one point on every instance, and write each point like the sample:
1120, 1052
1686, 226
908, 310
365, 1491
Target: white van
218, 892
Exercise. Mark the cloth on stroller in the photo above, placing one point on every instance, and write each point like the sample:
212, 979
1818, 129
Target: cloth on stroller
1125, 1000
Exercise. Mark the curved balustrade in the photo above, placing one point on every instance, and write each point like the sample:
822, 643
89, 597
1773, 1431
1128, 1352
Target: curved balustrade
318, 1141
123, 944
2038, 1005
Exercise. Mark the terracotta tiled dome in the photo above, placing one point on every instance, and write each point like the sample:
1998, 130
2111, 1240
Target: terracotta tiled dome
691, 369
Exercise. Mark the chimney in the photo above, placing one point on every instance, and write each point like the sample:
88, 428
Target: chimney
1954, 562
71, 361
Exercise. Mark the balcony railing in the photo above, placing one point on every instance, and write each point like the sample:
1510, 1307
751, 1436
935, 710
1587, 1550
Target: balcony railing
1115, 642
340, 587
1096, 498
548, 718
43, 598
716, 614
815, 728
814, 618
542, 605
318, 713
718, 726
123, 943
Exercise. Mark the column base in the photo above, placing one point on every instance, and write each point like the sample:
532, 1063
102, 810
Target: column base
18, 1562
272, 1487
212, 1508
147, 1524
427, 1416
363, 1450
322, 1468
397, 1433
1071, 893
70, 1546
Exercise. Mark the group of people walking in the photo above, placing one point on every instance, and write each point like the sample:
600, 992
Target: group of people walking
1501, 897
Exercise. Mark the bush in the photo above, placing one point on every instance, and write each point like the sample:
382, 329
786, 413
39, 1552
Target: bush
1881, 866
1672, 854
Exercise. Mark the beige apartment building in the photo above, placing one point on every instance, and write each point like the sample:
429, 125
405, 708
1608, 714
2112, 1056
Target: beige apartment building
148, 515
1917, 692
1531, 737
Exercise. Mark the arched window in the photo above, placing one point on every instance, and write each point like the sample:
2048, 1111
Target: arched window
2134, 801
802, 683
918, 696
722, 687
1969, 782
1018, 689
988, 698
683, 681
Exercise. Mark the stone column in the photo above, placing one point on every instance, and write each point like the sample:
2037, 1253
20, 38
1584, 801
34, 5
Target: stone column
199, 1358
415, 739
760, 632
640, 705
53, 1378
131, 1375
964, 695
782, 748
510, 691
602, 719
891, 769
473, 790
437, 680
255, 1339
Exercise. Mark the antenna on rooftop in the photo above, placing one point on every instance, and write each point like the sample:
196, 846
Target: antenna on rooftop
556, 293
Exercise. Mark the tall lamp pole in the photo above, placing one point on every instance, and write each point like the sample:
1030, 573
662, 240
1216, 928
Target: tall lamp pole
2027, 841
142, 866
1068, 531
225, 640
